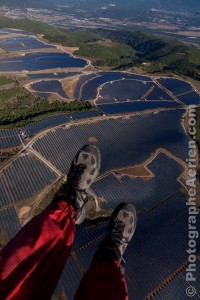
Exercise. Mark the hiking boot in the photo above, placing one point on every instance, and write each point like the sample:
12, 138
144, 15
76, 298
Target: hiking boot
120, 231
83, 172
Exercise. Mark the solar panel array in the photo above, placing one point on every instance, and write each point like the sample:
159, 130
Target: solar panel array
9, 138
157, 249
34, 128
176, 86
49, 86
10, 142
177, 287
143, 194
16, 31
121, 142
60, 75
87, 87
181, 89
139, 106
23, 179
83, 80
9, 222
12, 138
190, 98
40, 61
70, 278
22, 43
124, 90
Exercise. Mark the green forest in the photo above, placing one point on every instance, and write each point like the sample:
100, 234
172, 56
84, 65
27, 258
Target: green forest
19, 107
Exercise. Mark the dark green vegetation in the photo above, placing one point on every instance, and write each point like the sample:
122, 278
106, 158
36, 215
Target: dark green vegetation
92, 45
28, 25
73, 38
115, 55
5, 80
159, 54
6, 155
125, 49
18, 107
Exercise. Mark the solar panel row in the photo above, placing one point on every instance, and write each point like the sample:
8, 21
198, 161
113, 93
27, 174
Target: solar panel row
12, 138
49, 86
129, 90
10, 142
142, 193
121, 142
22, 43
23, 179
53, 75
9, 222
40, 61
135, 106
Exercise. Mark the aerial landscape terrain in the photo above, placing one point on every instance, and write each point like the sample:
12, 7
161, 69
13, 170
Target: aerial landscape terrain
79, 72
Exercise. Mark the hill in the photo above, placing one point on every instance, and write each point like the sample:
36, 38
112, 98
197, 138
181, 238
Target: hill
157, 53
28, 25
120, 49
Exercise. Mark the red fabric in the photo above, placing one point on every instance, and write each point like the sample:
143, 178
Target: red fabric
103, 281
32, 262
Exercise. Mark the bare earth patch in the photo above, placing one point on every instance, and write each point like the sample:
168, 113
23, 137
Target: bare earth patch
69, 50
138, 171
90, 68
106, 43
92, 139
69, 85
3, 238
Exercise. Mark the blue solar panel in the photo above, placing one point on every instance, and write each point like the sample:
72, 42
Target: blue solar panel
176, 86
137, 106
9, 222
56, 120
40, 61
176, 288
82, 81
23, 179
10, 142
49, 86
60, 75
124, 90
22, 43
190, 98
122, 142
156, 250
142, 193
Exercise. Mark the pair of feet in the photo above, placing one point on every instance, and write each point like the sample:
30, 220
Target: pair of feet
83, 172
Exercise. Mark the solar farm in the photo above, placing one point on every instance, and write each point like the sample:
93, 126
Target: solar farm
137, 123
22, 43
49, 87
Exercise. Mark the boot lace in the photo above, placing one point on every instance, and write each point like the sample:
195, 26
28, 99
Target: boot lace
117, 233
